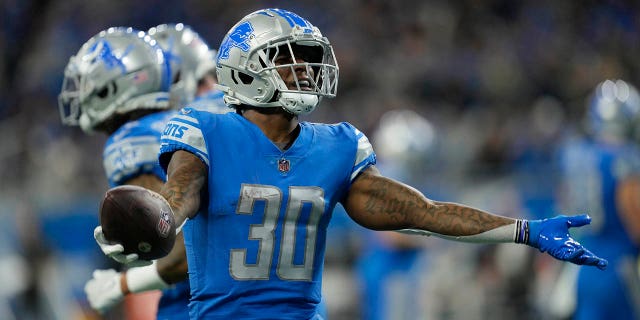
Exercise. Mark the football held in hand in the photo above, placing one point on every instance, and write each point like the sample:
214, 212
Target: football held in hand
139, 219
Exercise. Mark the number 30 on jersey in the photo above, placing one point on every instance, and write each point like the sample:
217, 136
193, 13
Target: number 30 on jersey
265, 232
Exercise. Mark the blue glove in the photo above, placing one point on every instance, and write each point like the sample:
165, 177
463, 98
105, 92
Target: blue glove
552, 236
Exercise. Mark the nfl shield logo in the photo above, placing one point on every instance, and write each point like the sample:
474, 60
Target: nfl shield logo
164, 226
284, 165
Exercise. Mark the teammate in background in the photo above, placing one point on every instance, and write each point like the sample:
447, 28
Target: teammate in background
185, 52
131, 153
192, 63
207, 97
601, 175
268, 183
127, 99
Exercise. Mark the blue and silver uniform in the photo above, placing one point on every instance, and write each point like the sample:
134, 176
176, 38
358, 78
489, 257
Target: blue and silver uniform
132, 151
593, 173
257, 251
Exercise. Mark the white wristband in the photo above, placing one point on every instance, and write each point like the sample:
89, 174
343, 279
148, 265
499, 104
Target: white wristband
179, 228
501, 234
143, 279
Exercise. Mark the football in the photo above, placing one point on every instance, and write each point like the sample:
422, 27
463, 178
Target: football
139, 219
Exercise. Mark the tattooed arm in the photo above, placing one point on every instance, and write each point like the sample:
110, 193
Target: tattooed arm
186, 180
380, 203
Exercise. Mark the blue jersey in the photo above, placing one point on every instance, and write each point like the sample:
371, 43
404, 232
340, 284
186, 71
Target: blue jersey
592, 173
132, 151
258, 250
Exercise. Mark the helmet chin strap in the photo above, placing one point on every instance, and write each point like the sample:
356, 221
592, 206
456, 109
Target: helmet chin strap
298, 103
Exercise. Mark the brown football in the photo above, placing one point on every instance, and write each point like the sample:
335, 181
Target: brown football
139, 219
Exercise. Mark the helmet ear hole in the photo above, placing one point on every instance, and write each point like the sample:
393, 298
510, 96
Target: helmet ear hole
245, 78
241, 77
110, 89
103, 92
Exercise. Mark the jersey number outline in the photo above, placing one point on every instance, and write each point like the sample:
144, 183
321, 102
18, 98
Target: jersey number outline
265, 232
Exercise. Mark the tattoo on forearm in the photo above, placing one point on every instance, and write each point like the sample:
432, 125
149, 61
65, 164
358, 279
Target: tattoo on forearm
408, 208
183, 187
380, 202
463, 220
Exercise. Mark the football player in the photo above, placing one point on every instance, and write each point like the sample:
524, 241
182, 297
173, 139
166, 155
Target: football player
192, 65
601, 175
134, 125
118, 84
267, 183
207, 97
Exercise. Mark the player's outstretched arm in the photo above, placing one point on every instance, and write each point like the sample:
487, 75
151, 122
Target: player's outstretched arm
380, 203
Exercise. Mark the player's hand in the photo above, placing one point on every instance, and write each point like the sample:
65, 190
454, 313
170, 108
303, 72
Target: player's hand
115, 251
552, 236
103, 290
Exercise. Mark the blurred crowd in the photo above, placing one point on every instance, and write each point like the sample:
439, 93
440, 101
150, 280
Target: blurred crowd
500, 83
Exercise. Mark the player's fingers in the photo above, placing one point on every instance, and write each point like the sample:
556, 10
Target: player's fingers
112, 249
98, 235
594, 261
572, 253
602, 264
590, 259
579, 221
132, 257
134, 261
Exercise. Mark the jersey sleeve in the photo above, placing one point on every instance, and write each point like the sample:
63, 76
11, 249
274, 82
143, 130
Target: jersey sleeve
131, 156
183, 132
365, 157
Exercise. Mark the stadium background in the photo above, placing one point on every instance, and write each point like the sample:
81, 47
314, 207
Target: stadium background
502, 83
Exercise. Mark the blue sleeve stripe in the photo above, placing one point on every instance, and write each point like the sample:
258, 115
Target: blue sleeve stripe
364, 154
188, 135
186, 119
197, 147
369, 161
364, 149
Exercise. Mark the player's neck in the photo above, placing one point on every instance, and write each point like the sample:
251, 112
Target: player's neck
280, 128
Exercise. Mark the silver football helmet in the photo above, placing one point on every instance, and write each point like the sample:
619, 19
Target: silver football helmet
613, 108
246, 68
186, 51
206, 65
117, 71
